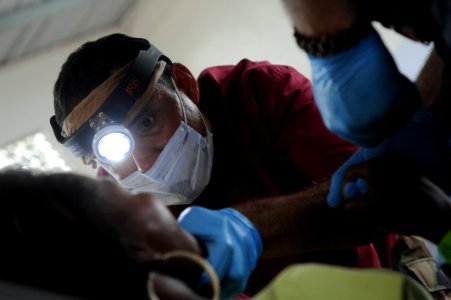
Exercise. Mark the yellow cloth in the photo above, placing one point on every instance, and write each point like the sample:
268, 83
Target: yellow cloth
325, 282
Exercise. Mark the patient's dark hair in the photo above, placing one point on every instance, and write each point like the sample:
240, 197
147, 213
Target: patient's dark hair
51, 238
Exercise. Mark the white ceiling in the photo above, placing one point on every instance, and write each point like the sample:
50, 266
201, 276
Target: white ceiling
28, 26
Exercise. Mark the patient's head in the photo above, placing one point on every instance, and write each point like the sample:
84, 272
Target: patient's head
82, 236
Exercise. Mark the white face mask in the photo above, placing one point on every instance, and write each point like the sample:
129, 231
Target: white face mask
181, 171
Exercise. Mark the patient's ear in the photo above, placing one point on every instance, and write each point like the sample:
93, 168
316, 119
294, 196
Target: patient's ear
185, 81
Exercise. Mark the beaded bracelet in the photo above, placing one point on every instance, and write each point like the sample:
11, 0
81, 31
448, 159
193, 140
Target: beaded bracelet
332, 44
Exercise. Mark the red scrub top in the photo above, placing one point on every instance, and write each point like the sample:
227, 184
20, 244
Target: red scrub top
269, 140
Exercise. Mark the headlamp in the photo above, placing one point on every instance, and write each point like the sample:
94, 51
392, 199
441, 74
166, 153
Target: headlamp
102, 133
113, 144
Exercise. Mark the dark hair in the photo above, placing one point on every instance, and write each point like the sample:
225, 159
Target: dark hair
52, 239
89, 66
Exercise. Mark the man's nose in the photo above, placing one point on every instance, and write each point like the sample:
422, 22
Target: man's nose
122, 170
142, 162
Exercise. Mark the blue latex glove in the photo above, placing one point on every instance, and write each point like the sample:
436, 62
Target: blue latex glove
424, 140
334, 196
233, 243
360, 93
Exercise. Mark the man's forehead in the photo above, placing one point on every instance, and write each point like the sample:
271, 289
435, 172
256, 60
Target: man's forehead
148, 98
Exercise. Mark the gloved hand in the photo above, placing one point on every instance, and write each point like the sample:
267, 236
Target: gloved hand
424, 140
360, 93
334, 196
233, 243
402, 195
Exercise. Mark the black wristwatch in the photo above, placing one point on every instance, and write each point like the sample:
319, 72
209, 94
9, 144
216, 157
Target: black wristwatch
333, 44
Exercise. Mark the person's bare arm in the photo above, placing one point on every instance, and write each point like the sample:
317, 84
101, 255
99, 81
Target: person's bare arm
433, 83
303, 222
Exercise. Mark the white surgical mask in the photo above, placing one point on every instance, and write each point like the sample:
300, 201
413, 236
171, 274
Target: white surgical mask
181, 171
138, 182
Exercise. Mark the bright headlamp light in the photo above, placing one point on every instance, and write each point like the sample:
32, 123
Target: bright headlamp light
113, 144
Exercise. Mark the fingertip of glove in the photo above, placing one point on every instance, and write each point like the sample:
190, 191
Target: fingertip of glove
350, 190
332, 200
362, 186
189, 211
248, 225
356, 188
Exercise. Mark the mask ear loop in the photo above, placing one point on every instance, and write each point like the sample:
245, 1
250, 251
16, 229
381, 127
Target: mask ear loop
183, 108
180, 100
142, 103
202, 262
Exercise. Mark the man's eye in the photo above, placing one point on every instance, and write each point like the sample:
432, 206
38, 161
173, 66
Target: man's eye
147, 122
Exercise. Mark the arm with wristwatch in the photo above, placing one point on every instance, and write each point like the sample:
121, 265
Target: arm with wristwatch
349, 61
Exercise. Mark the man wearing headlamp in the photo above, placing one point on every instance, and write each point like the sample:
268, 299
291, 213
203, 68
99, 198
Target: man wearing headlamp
108, 135
270, 145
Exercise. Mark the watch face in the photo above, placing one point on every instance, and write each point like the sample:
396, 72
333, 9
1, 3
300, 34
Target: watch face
14, 291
